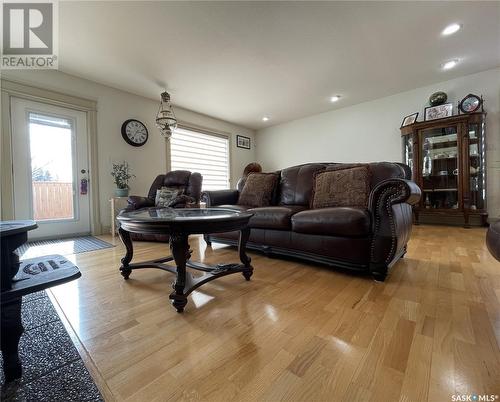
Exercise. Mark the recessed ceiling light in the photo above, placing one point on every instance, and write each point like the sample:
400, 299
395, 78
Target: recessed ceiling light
451, 29
450, 64
265, 118
335, 98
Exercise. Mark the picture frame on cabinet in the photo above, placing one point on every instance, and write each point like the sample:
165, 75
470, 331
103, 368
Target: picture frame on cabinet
438, 112
410, 119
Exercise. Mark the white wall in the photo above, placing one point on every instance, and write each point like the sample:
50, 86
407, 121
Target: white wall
370, 131
113, 108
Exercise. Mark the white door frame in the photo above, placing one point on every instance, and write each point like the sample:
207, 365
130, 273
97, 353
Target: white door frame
23, 189
26, 91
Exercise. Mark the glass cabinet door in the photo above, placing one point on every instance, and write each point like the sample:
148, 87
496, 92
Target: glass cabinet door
477, 179
440, 164
408, 151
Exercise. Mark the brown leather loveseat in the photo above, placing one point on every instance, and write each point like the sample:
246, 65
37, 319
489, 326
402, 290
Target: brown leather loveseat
368, 239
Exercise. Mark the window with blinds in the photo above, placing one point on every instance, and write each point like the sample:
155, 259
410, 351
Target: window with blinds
203, 153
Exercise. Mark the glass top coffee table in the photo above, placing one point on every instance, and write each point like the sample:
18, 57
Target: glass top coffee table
179, 224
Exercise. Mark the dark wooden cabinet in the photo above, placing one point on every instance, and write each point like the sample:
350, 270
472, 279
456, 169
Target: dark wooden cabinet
448, 162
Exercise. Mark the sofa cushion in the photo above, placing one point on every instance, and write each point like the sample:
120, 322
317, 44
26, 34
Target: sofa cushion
337, 221
253, 167
258, 189
296, 184
182, 179
381, 171
277, 218
342, 186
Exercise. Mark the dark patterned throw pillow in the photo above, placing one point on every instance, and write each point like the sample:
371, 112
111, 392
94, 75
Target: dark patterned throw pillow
342, 186
258, 189
165, 195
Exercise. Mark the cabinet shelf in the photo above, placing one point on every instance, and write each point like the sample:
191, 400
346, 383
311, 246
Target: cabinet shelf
439, 190
443, 138
441, 145
448, 176
444, 158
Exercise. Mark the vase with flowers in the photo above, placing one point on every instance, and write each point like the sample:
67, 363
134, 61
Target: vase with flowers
121, 174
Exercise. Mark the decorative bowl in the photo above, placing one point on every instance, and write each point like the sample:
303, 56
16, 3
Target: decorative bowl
438, 98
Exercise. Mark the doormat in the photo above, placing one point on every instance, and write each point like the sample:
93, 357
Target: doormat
52, 368
73, 245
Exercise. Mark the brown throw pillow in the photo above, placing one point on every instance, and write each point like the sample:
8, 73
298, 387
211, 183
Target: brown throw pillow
258, 189
342, 186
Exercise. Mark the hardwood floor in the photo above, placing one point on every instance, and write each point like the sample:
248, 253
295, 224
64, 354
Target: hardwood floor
296, 331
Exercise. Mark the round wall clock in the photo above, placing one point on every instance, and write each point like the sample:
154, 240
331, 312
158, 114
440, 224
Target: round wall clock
134, 132
470, 103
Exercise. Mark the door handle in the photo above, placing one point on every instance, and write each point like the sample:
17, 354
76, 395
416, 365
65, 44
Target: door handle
84, 183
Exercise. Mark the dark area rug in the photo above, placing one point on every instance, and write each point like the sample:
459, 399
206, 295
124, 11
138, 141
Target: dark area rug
52, 368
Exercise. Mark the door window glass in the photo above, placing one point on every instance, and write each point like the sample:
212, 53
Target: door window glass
51, 152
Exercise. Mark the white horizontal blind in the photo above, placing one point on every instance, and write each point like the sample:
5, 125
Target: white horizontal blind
203, 153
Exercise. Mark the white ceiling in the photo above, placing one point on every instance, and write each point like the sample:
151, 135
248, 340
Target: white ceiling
239, 61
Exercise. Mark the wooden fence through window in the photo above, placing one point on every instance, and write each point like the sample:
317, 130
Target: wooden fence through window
52, 200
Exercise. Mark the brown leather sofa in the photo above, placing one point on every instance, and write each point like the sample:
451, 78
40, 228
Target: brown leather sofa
369, 240
182, 179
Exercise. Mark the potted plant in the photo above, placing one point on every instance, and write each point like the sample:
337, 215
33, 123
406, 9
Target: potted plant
121, 174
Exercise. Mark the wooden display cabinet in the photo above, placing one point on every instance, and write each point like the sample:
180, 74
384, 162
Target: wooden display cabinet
448, 162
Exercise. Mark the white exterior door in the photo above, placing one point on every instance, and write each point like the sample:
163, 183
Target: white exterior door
50, 166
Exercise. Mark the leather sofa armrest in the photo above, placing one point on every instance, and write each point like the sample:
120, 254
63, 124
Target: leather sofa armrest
136, 202
220, 197
398, 190
390, 205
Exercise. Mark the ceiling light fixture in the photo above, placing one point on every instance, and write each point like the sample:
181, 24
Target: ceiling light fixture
165, 118
451, 29
265, 118
450, 64
335, 98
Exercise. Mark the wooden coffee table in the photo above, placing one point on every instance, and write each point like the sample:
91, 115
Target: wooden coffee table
179, 224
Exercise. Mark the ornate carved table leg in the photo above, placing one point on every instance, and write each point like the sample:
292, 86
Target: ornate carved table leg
11, 330
206, 237
180, 250
127, 241
244, 258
